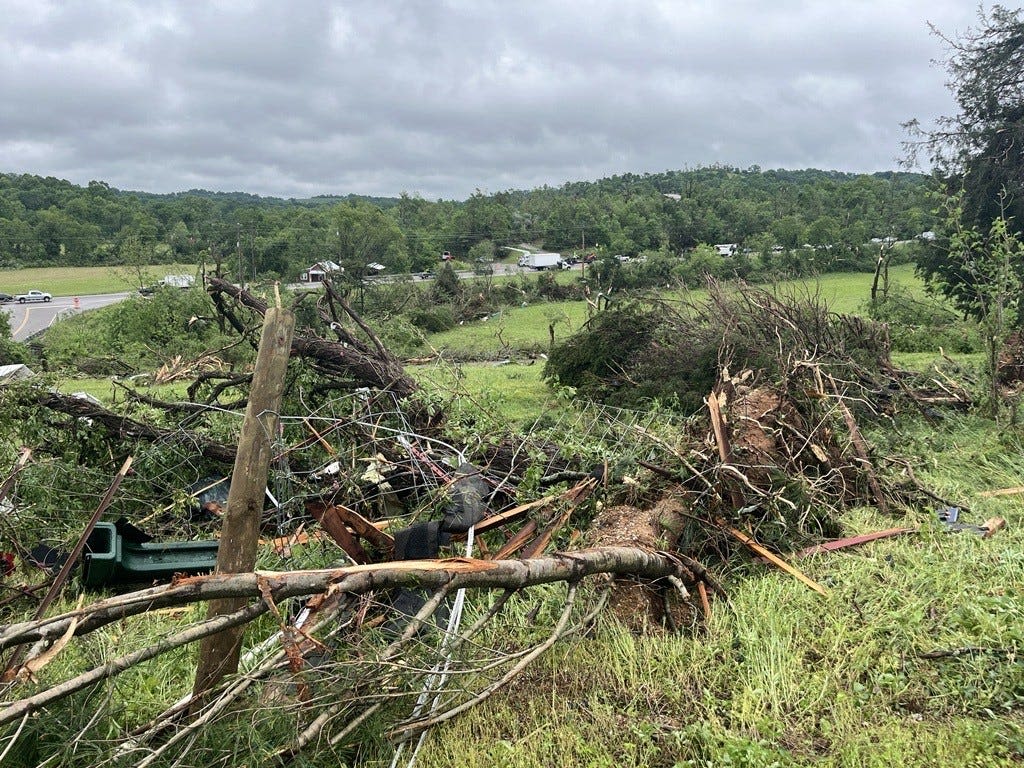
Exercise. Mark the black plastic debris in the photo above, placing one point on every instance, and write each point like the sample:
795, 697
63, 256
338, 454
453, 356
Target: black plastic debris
467, 507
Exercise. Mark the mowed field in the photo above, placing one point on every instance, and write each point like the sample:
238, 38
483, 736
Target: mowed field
85, 281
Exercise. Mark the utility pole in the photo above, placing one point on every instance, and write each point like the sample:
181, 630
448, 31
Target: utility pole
240, 531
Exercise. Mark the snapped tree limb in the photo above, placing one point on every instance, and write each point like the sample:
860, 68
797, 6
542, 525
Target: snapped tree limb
413, 574
369, 364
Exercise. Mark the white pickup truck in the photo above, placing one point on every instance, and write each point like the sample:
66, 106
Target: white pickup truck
21, 298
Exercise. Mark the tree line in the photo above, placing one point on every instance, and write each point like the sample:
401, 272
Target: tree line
48, 221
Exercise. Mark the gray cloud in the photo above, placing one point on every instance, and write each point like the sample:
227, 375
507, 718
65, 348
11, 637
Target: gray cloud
440, 98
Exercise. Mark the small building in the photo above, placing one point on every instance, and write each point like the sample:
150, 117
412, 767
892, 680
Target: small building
320, 271
672, 196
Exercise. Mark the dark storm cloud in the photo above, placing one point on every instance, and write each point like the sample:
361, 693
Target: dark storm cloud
380, 96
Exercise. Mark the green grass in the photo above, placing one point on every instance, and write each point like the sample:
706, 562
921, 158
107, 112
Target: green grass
514, 330
84, 281
849, 292
509, 394
106, 391
527, 330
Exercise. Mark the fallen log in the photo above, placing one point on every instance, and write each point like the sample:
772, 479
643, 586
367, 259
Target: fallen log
266, 589
414, 574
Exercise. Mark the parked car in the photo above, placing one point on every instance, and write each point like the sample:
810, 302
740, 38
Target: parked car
5, 297
21, 298
446, 256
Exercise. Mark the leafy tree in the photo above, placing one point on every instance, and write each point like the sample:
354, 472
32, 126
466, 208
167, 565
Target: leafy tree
823, 232
362, 234
447, 286
977, 151
789, 232
980, 145
702, 262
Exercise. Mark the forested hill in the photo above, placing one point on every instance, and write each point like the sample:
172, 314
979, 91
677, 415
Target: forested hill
47, 221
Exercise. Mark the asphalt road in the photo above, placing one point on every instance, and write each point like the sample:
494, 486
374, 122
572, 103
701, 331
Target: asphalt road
29, 319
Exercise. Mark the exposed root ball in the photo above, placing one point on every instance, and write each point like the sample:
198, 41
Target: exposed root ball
637, 605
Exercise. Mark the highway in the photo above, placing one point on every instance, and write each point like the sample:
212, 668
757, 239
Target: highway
29, 319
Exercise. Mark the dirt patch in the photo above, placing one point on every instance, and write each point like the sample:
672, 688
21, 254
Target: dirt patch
1011, 360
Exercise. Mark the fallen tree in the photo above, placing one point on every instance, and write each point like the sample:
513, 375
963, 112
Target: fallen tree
363, 359
263, 592
124, 428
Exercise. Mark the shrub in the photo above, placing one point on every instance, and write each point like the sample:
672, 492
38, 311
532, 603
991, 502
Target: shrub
434, 319
141, 333
924, 325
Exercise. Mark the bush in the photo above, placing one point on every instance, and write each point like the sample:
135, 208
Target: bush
401, 336
10, 351
141, 333
924, 325
435, 319
639, 352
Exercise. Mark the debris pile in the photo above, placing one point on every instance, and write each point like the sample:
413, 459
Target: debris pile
368, 489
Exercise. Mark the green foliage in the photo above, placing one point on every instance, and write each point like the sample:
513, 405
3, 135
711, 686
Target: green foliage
140, 334
924, 325
433, 319
446, 285
590, 361
977, 150
700, 263
482, 252
48, 221
634, 353
10, 351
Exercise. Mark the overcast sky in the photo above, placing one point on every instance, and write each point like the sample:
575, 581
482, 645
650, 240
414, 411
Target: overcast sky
302, 97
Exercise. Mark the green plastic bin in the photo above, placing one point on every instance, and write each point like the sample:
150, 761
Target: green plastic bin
110, 560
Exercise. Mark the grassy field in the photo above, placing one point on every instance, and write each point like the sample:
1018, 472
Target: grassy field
84, 281
528, 330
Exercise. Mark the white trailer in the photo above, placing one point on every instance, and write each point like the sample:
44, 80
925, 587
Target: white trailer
541, 260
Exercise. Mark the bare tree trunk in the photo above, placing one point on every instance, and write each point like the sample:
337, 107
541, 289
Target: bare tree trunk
218, 654
360, 579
